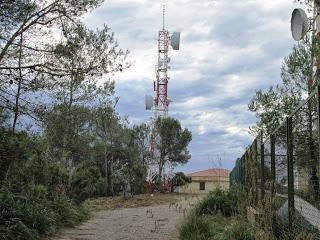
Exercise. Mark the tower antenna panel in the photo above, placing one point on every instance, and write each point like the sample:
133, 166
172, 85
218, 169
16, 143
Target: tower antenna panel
299, 24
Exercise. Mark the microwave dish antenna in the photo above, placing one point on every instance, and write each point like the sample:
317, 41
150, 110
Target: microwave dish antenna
299, 24
149, 102
175, 41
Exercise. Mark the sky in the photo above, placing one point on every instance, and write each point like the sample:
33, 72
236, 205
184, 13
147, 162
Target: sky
228, 50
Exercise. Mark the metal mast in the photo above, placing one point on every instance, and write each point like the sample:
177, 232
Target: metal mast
159, 104
161, 101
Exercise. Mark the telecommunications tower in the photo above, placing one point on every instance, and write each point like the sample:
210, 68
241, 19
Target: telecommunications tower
159, 103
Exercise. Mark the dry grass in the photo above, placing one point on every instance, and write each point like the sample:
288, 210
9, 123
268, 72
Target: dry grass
143, 200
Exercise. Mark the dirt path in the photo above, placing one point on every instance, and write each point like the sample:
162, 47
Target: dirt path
142, 223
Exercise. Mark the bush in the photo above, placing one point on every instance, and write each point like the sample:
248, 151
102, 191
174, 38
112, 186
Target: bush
30, 214
197, 228
215, 202
215, 218
238, 197
181, 179
238, 229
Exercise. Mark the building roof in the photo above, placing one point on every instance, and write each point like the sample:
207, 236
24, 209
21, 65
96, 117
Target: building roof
213, 172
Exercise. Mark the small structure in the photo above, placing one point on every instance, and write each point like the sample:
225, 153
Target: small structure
206, 181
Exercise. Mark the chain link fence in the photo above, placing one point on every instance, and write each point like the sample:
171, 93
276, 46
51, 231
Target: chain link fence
281, 173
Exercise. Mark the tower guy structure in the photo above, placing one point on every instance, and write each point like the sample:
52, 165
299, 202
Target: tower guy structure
159, 103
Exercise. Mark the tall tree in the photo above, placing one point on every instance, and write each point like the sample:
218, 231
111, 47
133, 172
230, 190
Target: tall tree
108, 127
29, 32
142, 139
272, 106
172, 143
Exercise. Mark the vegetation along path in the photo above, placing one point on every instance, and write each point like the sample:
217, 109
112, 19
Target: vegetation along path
135, 223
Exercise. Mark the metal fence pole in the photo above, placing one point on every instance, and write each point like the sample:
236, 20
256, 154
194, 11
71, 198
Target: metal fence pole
273, 176
290, 172
256, 172
262, 185
318, 119
273, 164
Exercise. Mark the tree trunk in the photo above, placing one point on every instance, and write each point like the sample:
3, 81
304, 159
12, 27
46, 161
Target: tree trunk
16, 109
109, 177
160, 175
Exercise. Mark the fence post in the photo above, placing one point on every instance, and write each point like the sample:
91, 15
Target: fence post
290, 173
318, 119
256, 172
262, 168
273, 175
273, 164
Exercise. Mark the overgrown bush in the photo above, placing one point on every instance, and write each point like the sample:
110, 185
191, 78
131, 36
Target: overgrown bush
33, 213
181, 179
216, 202
238, 229
218, 217
197, 228
239, 199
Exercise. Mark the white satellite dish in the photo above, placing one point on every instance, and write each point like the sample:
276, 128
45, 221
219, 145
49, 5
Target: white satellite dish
299, 24
175, 40
149, 102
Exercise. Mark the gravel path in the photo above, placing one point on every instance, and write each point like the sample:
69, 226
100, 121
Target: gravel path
143, 223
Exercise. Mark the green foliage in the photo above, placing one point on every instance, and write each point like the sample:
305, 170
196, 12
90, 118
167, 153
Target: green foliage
272, 106
82, 147
216, 202
173, 142
32, 213
239, 199
85, 181
181, 179
237, 229
216, 217
197, 228
227, 203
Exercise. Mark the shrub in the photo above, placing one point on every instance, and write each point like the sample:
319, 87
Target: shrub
238, 229
30, 214
181, 179
215, 218
238, 197
215, 202
197, 228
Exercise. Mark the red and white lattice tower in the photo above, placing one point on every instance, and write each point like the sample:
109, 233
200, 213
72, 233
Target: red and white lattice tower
159, 104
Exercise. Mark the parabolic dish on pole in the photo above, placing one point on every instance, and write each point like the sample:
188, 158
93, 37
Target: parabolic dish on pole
175, 40
299, 24
149, 102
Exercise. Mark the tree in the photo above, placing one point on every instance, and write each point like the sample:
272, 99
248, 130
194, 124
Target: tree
30, 64
68, 134
181, 179
142, 140
271, 107
85, 56
27, 17
172, 143
108, 128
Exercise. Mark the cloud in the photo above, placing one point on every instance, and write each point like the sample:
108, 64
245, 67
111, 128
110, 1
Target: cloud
228, 50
